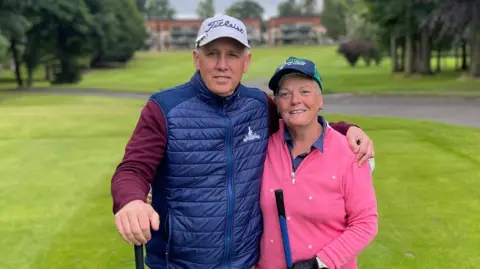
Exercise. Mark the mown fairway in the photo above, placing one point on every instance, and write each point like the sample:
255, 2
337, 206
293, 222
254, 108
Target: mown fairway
57, 155
151, 71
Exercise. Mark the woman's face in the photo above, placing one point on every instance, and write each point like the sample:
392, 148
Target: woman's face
298, 101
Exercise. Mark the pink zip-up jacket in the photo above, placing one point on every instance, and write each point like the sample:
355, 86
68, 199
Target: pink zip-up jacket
330, 204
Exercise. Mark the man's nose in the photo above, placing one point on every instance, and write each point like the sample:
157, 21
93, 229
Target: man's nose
222, 63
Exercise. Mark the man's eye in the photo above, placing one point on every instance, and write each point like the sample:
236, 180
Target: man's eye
305, 92
233, 55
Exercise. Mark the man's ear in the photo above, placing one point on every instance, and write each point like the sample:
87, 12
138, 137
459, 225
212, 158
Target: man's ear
247, 62
196, 59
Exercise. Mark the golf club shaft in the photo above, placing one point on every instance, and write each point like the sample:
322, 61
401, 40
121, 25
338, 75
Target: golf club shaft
283, 227
139, 257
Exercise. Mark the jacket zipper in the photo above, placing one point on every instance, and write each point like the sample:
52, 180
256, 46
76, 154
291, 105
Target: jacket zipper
169, 222
230, 195
291, 163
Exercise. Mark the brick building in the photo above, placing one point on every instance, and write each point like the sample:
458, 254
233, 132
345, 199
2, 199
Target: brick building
182, 33
295, 30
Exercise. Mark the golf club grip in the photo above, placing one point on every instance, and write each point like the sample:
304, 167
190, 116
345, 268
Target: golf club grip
283, 227
139, 257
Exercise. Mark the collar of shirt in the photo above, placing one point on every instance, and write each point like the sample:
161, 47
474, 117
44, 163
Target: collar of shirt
318, 144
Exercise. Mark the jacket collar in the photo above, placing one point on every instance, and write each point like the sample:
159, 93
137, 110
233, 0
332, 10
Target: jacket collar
318, 144
207, 96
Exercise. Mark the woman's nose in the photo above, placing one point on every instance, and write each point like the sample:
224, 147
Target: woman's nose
295, 98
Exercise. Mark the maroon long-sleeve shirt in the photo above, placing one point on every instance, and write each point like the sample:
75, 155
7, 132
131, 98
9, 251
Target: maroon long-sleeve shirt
145, 150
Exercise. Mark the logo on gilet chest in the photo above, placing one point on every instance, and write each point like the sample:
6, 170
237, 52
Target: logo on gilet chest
250, 135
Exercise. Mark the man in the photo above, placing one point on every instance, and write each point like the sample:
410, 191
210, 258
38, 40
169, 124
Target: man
201, 147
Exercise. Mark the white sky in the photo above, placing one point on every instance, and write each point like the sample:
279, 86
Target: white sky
186, 8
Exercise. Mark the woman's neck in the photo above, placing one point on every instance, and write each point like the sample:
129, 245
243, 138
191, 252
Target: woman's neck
304, 137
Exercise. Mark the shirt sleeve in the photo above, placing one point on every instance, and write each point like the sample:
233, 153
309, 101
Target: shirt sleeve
143, 154
274, 117
362, 222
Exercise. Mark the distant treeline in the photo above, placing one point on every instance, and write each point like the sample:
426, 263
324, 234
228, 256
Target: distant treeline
67, 36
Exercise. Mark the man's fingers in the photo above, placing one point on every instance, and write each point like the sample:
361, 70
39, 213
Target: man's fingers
358, 153
154, 220
124, 228
118, 224
144, 224
368, 153
363, 160
354, 144
136, 232
361, 153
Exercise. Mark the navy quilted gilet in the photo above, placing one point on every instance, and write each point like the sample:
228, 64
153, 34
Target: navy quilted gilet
207, 188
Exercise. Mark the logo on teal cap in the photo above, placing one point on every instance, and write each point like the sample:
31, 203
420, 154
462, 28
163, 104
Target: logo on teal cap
318, 78
293, 61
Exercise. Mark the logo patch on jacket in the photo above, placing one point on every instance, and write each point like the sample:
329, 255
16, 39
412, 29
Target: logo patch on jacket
251, 135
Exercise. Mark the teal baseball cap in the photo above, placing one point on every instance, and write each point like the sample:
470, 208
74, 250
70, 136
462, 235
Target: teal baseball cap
291, 65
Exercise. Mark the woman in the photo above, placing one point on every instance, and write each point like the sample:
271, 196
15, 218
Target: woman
329, 200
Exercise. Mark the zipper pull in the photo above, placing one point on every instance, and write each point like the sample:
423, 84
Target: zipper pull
293, 177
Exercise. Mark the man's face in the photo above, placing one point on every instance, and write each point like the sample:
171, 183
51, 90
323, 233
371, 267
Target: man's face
222, 63
298, 101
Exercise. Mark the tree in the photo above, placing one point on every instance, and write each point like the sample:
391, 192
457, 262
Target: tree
309, 7
141, 5
400, 26
119, 31
356, 25
288, 9
66, 35
458, 17
206, 9
13, 25
333, 17
160, 9
4, 44
246, 9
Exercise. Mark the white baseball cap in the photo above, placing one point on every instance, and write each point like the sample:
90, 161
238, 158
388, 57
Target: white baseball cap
222, 26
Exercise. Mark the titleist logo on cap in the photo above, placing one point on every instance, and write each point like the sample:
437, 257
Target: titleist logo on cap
220, 23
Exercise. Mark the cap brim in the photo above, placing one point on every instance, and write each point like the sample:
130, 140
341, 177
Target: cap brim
275, 80
208, 39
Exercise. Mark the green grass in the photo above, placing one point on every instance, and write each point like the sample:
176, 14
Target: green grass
57, 155
426, 182
151, 71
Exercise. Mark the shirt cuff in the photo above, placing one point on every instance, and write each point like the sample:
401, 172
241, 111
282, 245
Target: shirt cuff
321, 264
324, 260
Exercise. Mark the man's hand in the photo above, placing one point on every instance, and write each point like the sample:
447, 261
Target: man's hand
133, 222
360, 144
